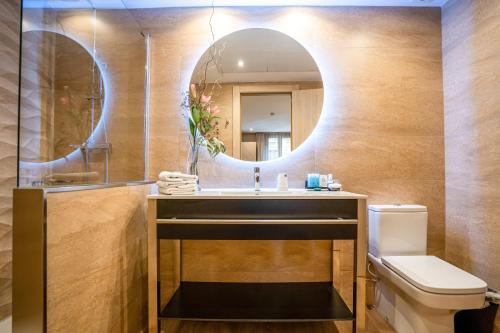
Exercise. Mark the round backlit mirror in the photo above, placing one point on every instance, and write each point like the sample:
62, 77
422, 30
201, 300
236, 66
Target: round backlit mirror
268, 88
62, 95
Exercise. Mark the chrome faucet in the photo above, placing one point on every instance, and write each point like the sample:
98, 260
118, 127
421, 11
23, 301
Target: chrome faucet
256, 178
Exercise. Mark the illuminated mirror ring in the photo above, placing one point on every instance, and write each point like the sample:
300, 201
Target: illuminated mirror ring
267, 87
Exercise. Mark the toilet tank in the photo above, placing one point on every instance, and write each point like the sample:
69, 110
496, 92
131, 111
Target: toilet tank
397, 230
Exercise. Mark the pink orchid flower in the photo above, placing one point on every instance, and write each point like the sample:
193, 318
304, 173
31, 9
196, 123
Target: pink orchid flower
205, 99
214, 110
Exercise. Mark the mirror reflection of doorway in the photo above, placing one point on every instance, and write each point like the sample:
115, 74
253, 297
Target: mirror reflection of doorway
266, 120
273, 120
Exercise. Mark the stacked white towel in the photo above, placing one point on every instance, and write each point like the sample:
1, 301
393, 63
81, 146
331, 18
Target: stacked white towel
176, 183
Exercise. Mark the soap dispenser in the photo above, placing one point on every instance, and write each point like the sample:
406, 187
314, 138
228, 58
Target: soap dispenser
282, 182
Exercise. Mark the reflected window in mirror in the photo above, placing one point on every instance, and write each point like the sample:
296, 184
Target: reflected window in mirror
278, 145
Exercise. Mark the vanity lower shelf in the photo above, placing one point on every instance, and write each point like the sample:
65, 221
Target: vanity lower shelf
303, 301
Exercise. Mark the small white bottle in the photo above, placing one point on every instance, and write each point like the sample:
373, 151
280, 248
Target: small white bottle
323, 181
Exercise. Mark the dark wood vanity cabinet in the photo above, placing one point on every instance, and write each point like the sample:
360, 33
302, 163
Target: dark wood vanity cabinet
308, 217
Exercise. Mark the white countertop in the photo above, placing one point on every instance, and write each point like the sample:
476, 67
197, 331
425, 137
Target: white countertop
265, 193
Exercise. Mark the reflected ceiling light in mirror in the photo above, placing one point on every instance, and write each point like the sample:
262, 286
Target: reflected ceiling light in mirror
241, 63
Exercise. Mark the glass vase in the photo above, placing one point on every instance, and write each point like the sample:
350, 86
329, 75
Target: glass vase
192, 163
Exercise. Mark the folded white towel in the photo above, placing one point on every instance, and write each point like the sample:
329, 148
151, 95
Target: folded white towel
166, 175
173, 180
180, 181
173, 191
176, 183
185, 185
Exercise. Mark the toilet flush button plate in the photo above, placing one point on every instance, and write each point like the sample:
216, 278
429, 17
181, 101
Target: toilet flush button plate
434, 275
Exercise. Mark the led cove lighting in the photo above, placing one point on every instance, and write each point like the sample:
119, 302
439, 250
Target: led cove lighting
134, 4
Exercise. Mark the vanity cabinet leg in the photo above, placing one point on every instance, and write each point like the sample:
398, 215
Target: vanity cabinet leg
355, 309
361, 303
361, 248
336, 277
153, 281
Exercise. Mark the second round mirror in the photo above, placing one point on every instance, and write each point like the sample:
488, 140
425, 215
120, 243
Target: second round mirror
62, 95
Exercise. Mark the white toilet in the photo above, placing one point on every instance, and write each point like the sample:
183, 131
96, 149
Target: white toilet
416, 292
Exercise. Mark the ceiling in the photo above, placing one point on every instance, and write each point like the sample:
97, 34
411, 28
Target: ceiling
264, 50
130, 4
265, 56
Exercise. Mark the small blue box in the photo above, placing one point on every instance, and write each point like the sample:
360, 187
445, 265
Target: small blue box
312, 180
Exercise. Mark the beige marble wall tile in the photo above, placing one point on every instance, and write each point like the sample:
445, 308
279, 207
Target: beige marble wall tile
472, 120
256, 261
97, 260
9, 54
472, 141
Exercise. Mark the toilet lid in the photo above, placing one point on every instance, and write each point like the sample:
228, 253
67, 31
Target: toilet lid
397, 208
434, 275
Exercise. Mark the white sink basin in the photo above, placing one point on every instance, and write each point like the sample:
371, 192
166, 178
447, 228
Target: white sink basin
263, 191
240, 192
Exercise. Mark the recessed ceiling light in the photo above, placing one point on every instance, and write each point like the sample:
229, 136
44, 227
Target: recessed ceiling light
241, 63
251, 129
